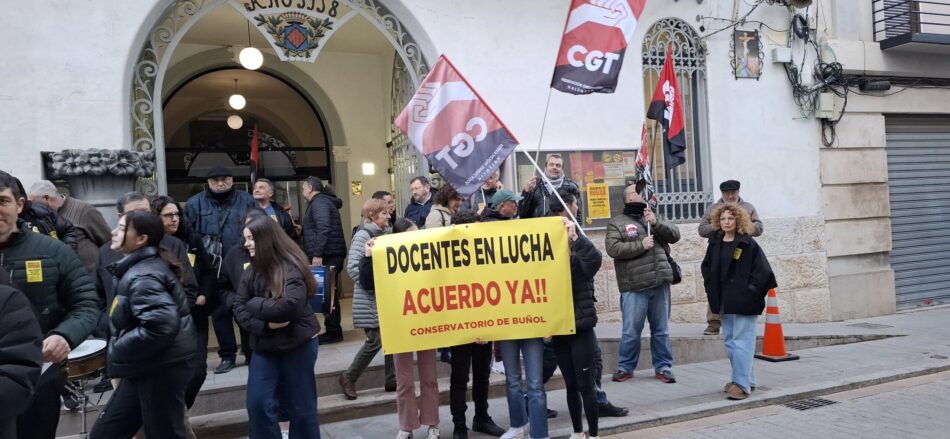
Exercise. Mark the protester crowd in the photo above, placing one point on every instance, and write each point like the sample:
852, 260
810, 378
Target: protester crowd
169, 271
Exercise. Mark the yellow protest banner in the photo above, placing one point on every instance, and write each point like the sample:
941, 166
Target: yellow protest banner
502, 280
598, 201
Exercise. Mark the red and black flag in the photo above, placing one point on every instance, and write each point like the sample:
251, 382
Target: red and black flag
592, 48
666, 107
644, 170
255, 154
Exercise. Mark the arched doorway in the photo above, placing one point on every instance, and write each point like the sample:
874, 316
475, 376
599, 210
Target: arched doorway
159, 48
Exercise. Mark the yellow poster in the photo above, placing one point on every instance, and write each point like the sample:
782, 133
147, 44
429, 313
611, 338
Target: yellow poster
598, 201
488, 281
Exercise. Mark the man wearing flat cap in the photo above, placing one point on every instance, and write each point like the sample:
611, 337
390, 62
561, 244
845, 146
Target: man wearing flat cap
215, 215
730, 194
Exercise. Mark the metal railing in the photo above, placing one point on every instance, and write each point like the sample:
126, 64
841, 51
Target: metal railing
897, 18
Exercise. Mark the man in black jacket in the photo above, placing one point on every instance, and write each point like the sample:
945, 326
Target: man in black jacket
41, 219
324, 244
504, 206
21, 355
264, 195
536, 194
59, 289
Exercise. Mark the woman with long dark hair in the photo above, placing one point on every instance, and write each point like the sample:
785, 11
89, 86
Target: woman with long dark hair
152, 336
737, 276
271, 305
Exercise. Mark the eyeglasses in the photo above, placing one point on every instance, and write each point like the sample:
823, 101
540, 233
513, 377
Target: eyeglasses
171, 215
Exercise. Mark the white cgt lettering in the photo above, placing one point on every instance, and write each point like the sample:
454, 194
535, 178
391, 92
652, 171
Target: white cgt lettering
593, 61
463, 144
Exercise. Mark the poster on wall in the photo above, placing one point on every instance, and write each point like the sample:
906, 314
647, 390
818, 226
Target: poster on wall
598, 201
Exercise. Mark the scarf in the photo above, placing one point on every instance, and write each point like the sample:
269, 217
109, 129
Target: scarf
634, 209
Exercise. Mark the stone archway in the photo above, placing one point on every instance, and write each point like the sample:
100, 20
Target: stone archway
153, 59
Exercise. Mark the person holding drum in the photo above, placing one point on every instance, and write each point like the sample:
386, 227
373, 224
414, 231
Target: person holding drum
272, 306
152, 335
59, 289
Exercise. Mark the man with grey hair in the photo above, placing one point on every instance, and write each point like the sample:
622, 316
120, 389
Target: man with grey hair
264, 195
639, 241
93, 231
535, 194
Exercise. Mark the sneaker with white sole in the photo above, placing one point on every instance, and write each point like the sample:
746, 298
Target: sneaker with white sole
433, 433
498, 367
403, 434
516, 433
579, 435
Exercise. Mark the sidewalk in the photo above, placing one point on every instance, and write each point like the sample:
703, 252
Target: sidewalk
922, 347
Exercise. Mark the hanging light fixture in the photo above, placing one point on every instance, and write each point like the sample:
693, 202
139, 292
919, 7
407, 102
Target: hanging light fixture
250, 57
235, 122
236, 101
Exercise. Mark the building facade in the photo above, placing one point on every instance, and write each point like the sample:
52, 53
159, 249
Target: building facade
844, 228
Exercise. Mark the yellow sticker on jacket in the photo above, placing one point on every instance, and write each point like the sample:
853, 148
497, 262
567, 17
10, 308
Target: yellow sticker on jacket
737, 254
191, 259
34, 271
36, 229
274, 217
52, 234
246, 265
115, 303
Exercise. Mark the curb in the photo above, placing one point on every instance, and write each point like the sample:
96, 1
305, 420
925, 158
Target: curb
723, 407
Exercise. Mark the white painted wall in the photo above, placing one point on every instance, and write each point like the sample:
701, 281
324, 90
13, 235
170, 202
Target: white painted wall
64, 78
68, 87
507, 50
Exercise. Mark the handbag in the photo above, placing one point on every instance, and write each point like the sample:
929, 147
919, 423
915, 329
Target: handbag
677, 271
213, 246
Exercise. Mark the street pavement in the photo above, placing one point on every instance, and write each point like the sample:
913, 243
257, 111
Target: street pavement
911, 408
920, 346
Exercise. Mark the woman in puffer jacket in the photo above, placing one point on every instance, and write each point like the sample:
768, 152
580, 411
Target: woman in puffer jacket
152, 335
375, 223
576, 352
272, 306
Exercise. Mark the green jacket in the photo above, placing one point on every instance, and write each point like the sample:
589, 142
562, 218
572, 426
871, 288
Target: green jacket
60, 290
639, 269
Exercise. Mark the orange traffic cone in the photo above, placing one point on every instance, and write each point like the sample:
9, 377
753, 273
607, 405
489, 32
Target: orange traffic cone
773, 346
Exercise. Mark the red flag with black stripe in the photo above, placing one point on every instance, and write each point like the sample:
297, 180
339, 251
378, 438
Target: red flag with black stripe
593, 45
666, 107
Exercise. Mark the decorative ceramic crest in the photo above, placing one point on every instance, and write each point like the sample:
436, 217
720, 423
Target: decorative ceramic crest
299, 30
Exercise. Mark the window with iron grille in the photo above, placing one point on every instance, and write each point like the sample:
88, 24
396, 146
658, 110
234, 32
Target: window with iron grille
685, 191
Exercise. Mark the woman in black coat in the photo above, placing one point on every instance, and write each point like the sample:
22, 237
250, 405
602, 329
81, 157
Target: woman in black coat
271, 305
576, 352
737, 277
152, 335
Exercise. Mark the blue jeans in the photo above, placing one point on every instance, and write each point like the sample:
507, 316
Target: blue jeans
298, 394
652, 304
537, 410
738, 333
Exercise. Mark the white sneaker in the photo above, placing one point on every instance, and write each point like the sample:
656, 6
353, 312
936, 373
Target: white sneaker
515, 433
579, 436
404, 434
498, 367
433, 433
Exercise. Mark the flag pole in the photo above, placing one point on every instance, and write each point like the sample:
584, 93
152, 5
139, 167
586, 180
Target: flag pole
544, 119
548, 183
652, 163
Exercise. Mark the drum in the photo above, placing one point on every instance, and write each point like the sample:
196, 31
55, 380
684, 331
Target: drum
88, 359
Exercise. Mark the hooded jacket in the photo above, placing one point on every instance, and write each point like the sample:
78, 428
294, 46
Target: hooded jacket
639, 268
365, 314
585, 263
254, 309
323, 228
52, 278
149, 319
42, 219
21, 357
737, 285
212, 214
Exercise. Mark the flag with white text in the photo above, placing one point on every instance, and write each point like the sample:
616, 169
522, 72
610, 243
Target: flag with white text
666, 107
455, 129
594, 42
